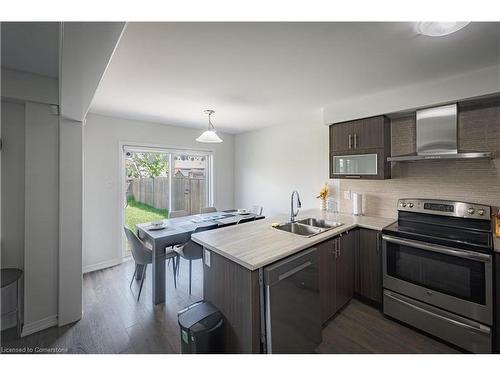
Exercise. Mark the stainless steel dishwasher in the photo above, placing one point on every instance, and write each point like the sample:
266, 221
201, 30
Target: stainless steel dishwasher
292, 304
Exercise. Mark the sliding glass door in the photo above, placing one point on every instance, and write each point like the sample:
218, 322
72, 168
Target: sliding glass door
159, 180
190, 182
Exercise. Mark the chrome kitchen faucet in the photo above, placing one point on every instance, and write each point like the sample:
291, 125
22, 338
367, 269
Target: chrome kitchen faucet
293, 213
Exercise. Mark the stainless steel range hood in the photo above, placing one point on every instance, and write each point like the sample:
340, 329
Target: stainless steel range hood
437, 137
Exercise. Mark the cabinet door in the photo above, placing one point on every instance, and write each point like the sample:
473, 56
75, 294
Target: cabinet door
344, 270
370, 265
371, 165
341, 137
497, 288
327, 279
370, 133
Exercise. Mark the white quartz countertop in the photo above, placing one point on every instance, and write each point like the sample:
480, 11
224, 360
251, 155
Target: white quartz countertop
257, 244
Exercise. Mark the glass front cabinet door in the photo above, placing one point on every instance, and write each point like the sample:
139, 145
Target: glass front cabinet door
357, 165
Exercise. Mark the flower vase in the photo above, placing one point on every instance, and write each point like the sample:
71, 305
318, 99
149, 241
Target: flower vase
322, 204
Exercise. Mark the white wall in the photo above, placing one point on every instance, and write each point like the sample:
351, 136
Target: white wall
102, 185
13, 208
29, 87
447, 89
33, 174
13, 133
70, 220
270, 163
41, 239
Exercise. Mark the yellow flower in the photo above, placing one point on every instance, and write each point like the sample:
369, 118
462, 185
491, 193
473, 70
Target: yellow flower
323, 193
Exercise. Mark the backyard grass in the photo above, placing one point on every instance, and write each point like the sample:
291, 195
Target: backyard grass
137, 212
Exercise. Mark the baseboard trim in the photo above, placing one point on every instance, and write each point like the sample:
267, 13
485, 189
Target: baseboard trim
39, 325
9, 320
102, 265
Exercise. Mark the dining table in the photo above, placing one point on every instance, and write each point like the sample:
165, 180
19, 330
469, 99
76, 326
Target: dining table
177, 231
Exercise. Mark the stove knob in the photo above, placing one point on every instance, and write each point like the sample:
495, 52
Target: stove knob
410, 205
402, 204
471, 211
480, 212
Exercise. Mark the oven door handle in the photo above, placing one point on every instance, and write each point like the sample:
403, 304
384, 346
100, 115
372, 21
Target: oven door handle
439, 249
479, 329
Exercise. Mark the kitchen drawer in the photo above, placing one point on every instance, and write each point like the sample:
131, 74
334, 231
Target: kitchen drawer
455, 329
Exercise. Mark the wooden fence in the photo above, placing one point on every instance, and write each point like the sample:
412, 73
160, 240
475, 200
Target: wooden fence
188, 193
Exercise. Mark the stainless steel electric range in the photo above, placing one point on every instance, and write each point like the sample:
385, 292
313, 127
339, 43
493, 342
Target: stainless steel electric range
437, 270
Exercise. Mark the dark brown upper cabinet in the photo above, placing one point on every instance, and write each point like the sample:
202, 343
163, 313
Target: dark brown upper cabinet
359, 148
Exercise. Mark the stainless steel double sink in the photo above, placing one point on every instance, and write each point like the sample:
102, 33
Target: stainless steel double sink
308, 227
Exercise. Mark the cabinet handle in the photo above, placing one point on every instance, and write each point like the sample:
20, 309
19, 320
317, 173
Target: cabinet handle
350, 141
355, 140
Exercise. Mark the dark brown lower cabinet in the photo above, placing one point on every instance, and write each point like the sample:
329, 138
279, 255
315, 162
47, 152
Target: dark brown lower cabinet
496, 316
327, 281
344, 270
369, 265
235, 291
336, 273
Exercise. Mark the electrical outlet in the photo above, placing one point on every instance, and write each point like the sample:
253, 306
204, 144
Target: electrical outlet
347, 194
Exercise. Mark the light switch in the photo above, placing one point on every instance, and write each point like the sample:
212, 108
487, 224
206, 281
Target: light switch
207, 257
347, 194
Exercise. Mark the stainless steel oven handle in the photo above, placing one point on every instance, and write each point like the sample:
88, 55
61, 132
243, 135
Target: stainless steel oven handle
439, 249
480, 329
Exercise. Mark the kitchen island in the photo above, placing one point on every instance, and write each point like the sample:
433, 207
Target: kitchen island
234, 258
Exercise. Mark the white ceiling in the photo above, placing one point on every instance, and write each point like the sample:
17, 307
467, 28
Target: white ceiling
31, 47
261, 74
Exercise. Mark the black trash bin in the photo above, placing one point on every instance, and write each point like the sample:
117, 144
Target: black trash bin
201, 328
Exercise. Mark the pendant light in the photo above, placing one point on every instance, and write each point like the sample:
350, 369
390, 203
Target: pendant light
440, 28
209, 136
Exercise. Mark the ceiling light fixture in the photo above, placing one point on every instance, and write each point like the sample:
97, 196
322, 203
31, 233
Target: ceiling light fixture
440, 28
209, 136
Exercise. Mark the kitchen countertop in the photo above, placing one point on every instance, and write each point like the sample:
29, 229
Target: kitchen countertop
257, 244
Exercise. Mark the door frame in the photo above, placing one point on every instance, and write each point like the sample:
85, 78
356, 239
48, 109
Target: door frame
166, 149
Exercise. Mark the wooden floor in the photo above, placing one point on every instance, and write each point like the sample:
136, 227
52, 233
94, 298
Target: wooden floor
113, 322
362, 329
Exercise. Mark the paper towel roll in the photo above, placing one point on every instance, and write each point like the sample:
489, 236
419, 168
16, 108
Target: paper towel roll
357, 204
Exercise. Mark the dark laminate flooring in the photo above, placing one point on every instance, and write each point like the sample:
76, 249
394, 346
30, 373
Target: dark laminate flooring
113, 322
362, 329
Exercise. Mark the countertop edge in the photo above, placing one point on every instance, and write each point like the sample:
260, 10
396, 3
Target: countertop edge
313, 241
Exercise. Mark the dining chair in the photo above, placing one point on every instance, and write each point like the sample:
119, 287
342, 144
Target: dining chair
206, 210
143, 256
191, 251
246, 219
257, 210
179, 213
